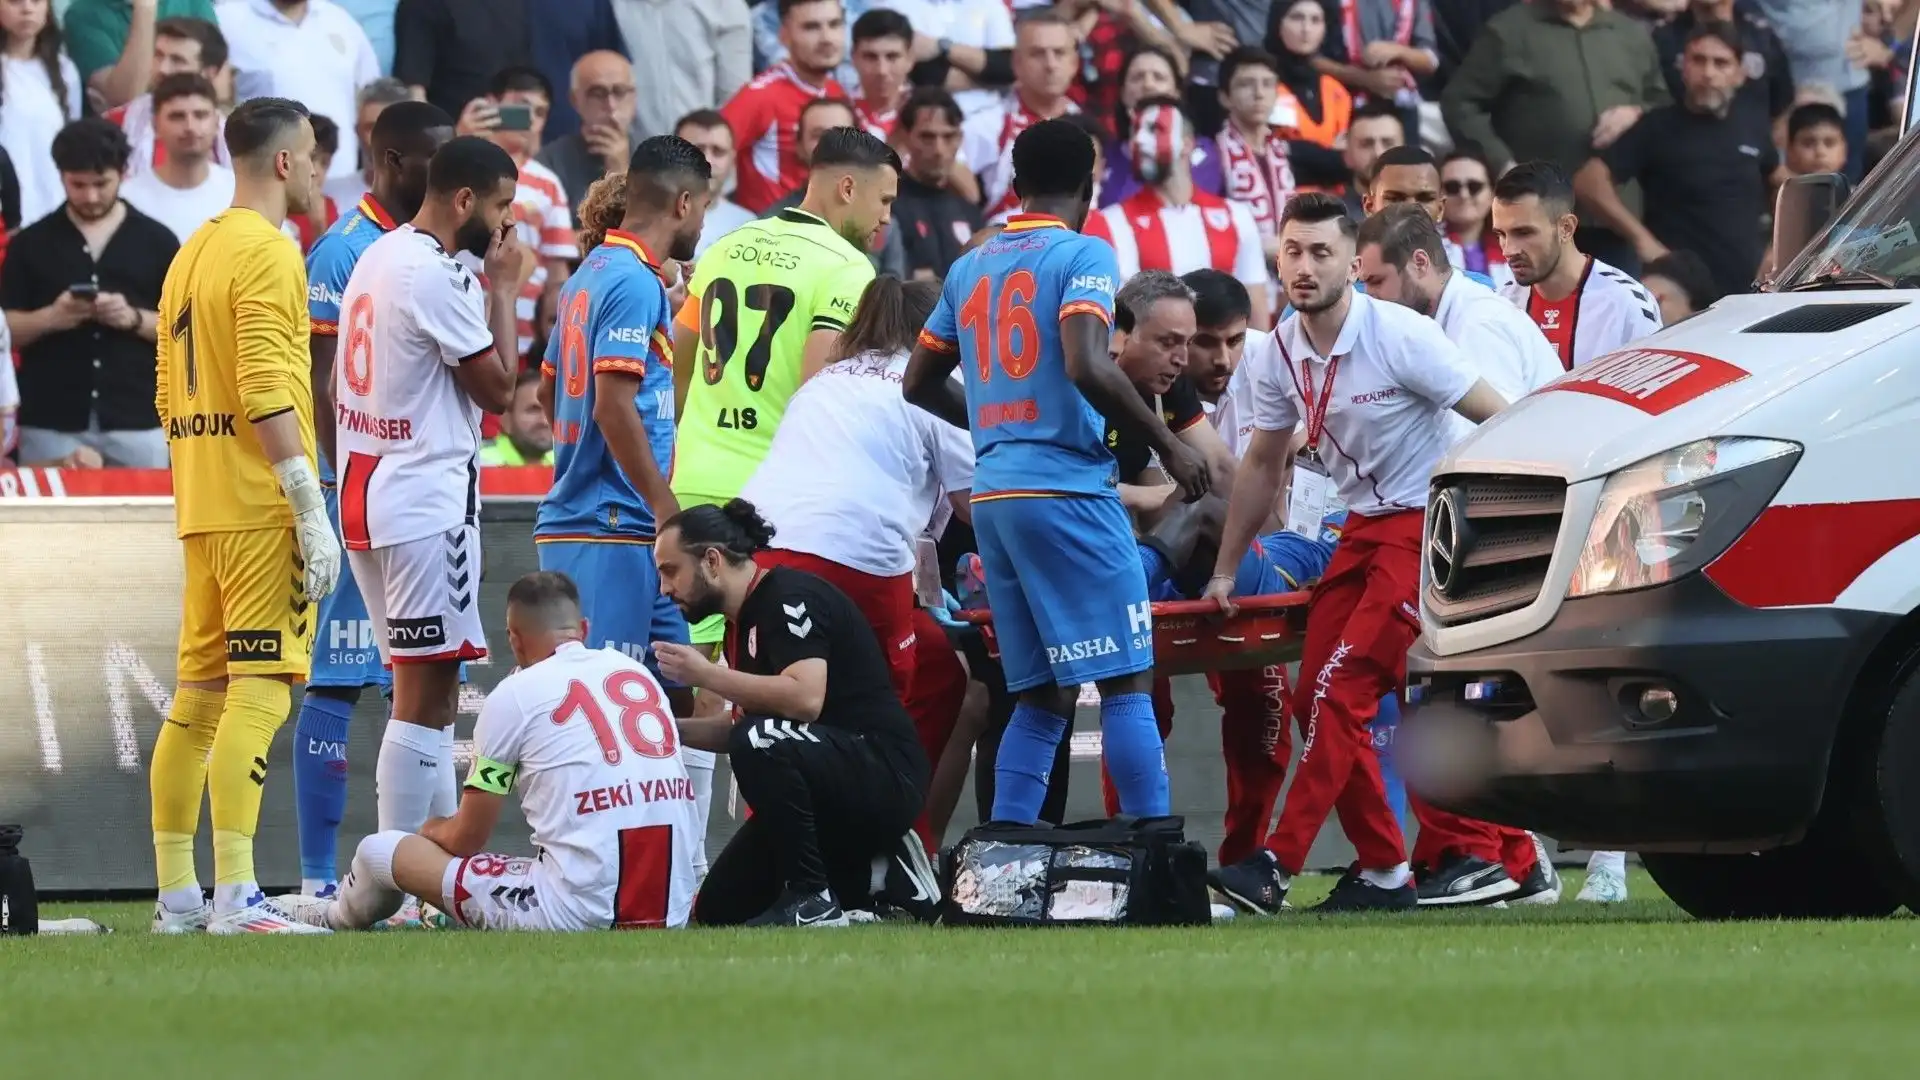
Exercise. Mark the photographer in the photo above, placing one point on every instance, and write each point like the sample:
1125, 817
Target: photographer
824, 752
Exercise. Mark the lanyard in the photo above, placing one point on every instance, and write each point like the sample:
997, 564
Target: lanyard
1316, 414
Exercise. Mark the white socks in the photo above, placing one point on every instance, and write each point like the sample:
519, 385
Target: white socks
1611, 861
407, 776
1388, 879
699, 765
368, 894
446, 797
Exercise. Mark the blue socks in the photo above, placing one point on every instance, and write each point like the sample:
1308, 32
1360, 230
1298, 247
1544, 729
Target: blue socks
320, 781
1136, 758
1025, 760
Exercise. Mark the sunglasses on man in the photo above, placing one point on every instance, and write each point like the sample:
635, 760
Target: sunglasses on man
1471, 187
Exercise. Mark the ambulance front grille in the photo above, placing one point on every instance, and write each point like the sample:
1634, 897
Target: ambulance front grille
1488, 542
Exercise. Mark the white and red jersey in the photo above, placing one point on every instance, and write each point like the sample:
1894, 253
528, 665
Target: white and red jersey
409, 435
1606, 311
986, 145
1383, 398
588, 741
874, 120
765, 118
1505, 347
136, 121
1208, 233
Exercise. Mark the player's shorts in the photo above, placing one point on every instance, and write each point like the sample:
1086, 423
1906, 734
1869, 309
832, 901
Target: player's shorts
1068, 595
712, 630
424, 597
346, 650
504, 892
1281, 562
619, 595
244, 608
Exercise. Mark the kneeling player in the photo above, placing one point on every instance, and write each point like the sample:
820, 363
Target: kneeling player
588, 739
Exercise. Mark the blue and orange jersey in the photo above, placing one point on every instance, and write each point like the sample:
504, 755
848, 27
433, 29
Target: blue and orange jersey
330, 263
1001, 309
613, 318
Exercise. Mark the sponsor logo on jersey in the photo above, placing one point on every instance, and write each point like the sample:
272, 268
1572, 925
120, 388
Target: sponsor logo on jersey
631, 335
1651, 380
416, 633
200, 425
319, 293
350, 634
1100, 283
253, 645
1088, 649
1375, 397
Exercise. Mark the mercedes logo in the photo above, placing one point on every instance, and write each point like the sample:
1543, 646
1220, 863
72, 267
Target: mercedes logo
1445, 528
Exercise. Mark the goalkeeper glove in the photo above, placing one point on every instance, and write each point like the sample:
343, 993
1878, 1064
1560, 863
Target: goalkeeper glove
319, 548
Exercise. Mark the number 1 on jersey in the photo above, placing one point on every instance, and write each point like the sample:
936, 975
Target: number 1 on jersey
183, 329
1017, 344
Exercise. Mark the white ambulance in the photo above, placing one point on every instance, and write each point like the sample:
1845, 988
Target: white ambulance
1676, 593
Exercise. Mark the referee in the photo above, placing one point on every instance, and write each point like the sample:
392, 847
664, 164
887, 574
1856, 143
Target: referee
824, 753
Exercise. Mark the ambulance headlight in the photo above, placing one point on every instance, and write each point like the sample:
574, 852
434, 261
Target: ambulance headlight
1673, 513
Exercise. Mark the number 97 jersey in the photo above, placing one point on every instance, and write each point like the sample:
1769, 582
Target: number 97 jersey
587, 739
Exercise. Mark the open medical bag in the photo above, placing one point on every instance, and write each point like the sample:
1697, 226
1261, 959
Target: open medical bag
1121, 872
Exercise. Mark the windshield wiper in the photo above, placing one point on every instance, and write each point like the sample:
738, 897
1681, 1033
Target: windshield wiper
1848, 279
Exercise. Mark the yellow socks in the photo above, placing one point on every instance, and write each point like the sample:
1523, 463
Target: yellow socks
177, 780
255, 709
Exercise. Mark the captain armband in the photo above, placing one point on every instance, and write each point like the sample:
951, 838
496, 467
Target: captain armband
491, 777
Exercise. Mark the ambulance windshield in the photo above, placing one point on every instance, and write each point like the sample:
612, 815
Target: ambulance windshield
1873, 240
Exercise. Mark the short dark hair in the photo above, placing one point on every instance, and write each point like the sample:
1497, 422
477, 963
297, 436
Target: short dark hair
1399, 231
930, 97
662, 168
213, 44
829, 102
90, 145
1467, 151
786, 7
183, 84
469, 161
1690, 272
1403, 156
1542, 179
736, 530
527, 377
705, 119
1722, 32
261, 124
1814, 114
1042, 16
326, 134
522, 78
851, 147
405, 123
1378, 109
882, 22
1053, 157
1314, 207
548, 591
1245, 56
1218, 297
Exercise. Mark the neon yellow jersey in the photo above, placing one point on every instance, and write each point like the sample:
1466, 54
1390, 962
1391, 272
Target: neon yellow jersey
754, 297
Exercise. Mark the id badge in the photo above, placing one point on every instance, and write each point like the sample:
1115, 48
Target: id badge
926, 573
1311, 497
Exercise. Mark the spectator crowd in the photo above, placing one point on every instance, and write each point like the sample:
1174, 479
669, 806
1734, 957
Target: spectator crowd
1676, 120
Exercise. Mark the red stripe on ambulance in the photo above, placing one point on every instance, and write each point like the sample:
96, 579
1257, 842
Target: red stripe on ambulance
1651, 380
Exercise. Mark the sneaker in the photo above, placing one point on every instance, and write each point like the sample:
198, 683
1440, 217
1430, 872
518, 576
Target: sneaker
1355, 893
1603, 886
311, 910
910, 883
1221, 912
181, 922
857, 917
1463, 880
792, 909
263, 916
1542, 883
1253, 884
407, 918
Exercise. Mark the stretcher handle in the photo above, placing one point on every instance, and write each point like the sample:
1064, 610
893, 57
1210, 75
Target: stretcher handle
1248, 605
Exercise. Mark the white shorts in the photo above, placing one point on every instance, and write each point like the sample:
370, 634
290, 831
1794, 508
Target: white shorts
503, 892
423, 597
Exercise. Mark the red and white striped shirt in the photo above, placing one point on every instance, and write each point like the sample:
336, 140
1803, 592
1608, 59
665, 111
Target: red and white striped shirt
875, 121
1207, 233
765, 118
987, 145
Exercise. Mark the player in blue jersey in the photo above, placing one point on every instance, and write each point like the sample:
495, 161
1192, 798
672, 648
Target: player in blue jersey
1027, 317
609, 377
346, 658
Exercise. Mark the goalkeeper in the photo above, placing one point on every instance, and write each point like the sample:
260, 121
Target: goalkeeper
235, 400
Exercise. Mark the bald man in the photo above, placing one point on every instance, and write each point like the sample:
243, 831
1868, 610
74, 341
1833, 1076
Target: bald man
602, 91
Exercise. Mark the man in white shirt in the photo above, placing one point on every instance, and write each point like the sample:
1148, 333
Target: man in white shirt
180, 46
1364, 390
311, 51
419, 359
184, 187
708, 130
1045, 60
609, 802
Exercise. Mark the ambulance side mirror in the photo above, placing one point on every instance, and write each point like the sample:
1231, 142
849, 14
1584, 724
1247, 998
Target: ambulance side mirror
1803, 207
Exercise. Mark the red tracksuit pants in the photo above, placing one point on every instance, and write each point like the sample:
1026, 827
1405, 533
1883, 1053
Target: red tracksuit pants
1360, 623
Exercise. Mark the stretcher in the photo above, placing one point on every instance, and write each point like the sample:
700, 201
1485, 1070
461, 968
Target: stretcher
1191, 637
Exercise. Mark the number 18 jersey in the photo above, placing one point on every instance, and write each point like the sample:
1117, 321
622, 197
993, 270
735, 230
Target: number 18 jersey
1000, 309
754, 298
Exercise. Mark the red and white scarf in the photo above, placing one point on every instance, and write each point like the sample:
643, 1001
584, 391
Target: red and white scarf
1356, 42
1263, 178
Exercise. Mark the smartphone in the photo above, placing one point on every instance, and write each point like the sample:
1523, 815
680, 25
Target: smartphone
515, 117
85, 290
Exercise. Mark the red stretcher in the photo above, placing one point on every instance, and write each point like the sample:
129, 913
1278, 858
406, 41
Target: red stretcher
1191, 637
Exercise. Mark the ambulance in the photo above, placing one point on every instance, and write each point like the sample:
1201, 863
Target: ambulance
1671, 601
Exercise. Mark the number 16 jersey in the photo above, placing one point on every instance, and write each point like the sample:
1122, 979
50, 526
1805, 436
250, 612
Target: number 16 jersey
754, 298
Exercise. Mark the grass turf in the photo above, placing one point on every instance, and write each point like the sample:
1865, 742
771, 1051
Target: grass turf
1576, 990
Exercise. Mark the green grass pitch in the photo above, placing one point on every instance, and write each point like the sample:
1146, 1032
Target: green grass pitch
1624, 993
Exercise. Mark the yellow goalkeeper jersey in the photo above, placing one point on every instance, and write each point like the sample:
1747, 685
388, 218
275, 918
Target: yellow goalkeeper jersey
232, 351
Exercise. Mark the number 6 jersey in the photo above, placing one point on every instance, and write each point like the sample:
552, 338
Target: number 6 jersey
408, 433
754, 297
587, 739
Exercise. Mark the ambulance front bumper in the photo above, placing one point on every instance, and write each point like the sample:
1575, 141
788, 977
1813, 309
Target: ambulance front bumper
1671, 718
